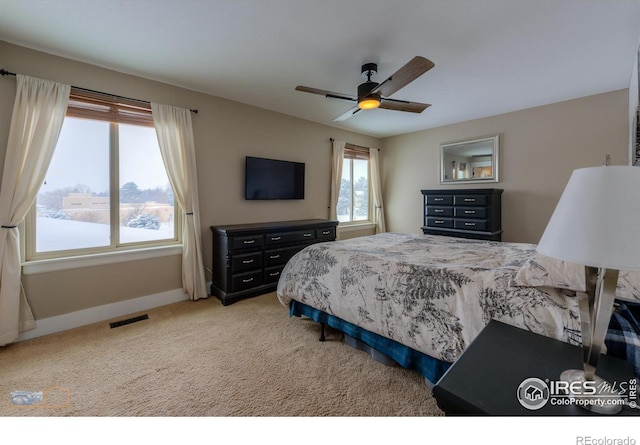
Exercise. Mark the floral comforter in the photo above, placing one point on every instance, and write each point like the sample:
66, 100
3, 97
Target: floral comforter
431, 293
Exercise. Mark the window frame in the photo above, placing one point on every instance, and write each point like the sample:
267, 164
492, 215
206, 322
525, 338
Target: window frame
356, 152
91, 105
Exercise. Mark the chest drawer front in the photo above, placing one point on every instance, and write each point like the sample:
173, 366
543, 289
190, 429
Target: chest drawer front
273, 239
328, 233
246, 242
439, 200
470, 212
276, 257
470, 200
272, 274
440, 211
246, 280
440, 222
471, 224
248, 261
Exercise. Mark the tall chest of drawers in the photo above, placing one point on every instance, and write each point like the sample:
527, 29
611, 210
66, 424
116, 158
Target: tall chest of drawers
463, 213
248, 258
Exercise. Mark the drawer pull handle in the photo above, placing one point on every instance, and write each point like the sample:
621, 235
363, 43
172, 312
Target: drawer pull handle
326, 232
276, 238
307, 235
274, 257
248, 280
469, 199
275, 274
469, 224
438, 199
250, 241
470, 212
439, 222
438, 210
247, 261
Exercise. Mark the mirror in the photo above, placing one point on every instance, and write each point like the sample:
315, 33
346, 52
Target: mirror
469, 161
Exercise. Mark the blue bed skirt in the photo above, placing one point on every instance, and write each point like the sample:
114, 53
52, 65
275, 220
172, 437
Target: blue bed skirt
431, 368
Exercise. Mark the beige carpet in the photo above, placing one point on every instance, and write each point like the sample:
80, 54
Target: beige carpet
204, 359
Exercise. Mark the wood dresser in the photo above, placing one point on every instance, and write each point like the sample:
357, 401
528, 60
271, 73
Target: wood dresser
463, 213
248, 258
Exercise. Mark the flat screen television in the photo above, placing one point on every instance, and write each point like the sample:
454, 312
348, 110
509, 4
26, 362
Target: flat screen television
273, 179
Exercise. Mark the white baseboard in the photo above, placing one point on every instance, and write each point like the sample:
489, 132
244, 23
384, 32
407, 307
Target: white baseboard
84, 317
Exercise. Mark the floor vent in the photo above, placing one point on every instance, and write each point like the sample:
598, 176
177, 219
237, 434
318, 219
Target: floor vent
116, 324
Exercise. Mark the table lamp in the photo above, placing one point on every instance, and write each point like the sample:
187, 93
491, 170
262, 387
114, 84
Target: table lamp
596, 224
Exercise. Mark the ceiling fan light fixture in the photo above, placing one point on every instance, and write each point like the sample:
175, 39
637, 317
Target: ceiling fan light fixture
369, 102
366, 99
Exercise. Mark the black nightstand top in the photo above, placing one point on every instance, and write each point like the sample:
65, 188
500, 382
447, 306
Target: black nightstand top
486, 377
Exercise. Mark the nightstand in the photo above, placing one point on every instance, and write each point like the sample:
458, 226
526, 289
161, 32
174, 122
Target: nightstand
486, 377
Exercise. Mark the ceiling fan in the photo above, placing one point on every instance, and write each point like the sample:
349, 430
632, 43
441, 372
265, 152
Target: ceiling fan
376, 95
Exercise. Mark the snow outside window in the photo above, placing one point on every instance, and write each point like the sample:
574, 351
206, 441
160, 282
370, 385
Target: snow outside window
106, 188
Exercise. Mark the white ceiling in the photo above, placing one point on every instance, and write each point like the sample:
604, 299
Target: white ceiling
491, 56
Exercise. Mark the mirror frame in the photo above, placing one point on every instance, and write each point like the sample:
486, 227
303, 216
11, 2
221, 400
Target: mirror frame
495, 163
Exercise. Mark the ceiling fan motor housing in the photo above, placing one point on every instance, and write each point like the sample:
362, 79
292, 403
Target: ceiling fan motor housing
365, 88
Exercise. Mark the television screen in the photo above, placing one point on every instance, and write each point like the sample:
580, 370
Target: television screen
273, 179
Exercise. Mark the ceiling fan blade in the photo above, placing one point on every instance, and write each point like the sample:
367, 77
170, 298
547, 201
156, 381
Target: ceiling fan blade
415, 68
347, 114
403, 105
325, 93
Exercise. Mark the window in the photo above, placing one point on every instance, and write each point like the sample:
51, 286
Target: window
354, 199
106, 187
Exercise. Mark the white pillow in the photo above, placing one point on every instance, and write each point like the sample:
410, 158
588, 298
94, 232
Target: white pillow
542, 270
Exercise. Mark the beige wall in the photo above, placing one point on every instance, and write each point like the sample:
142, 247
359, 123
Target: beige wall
224, 131
539, 148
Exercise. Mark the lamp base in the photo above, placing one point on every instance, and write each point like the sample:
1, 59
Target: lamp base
598, 397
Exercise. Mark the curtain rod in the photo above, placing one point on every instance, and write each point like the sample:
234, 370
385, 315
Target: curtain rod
4, 72
354, 145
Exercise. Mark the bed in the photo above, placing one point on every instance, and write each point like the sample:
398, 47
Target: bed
422, 299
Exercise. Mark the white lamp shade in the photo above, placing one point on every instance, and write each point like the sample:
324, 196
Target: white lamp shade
597, 221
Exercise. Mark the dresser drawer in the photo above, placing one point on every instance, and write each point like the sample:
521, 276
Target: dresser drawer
273, 239
470, 200
272, 274
439, 200
440, 211
275, 257
246, 242
246, 280
440, 222
247, 261
326, 234
471, 224
470, 212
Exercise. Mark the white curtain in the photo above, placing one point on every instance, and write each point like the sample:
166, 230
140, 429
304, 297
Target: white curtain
175, 136
38, 114
378, 213
336, 177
